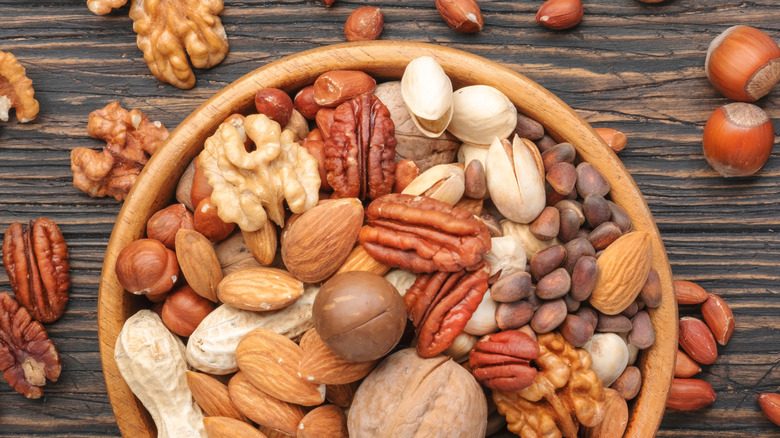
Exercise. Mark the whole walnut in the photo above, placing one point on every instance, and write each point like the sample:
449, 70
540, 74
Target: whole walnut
411, 142
409, 396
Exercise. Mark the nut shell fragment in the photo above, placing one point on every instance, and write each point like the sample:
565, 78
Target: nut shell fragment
16, 90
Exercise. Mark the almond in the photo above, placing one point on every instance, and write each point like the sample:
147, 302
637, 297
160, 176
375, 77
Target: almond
326, 421
359, 260
270, 361
212, 396
697, 340
320, 365
262, 408
262, 243
316, 243
719, 318
615, 418
337, 86
770, 405
622, 271
461, 15
685, 366
690, 394
198, 262
259, 289
688, 293
224, 427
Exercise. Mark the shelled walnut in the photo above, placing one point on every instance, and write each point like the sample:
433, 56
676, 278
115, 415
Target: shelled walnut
16, 90
130, 140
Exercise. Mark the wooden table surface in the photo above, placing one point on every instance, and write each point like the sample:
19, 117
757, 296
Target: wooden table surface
631, 66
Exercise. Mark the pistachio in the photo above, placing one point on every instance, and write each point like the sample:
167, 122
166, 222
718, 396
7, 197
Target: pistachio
469, 152
481, 113
445, 182
506, 256
515, 179
609, 355
427, 92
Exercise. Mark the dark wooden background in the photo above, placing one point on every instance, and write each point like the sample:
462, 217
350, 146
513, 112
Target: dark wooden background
631, 66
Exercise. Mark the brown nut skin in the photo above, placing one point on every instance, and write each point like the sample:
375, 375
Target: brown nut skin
164, 224
359, 315
690, 394
183, 310
206, 221
305, 104
462, 15
364, 24
688, 292
147, 267
274, 103
560, 14
200, 185
738, 139
770, 406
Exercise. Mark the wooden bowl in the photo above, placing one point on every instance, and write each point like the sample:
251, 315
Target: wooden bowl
385, 60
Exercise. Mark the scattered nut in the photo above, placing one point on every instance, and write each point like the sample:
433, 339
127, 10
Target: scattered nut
690, 394
738, 139
461, 15
364, 24
560, 14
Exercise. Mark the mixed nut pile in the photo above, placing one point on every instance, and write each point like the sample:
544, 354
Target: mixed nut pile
343, 266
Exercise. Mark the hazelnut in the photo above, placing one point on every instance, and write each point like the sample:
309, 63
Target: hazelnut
183, 310
274, 103
743, 63
738, 139
164, 224
560, 14
147, 267
207, 221
364, 24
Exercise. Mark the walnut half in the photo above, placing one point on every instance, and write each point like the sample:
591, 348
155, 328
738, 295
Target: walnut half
16, 90
166, 28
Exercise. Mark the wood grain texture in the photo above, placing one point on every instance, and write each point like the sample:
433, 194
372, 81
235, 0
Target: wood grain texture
630, 66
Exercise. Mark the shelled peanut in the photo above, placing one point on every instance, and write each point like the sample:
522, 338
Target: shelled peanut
515, 248
698, 342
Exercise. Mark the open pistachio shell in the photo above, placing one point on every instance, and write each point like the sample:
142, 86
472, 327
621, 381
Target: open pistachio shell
514, 180
481, 112
427, 93
445, 182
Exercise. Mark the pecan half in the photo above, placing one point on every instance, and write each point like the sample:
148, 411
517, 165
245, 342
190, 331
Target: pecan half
440, 305
36, 260
27, 356
421, 234
360, 151
501, 361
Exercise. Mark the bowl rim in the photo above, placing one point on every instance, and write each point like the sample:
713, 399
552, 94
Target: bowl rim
383, 59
